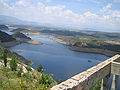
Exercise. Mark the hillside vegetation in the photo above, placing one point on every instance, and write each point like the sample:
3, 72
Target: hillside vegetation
3, 27
20, 35
10, 54
91, 44
19, 29
90, 34
15, 75
94, 43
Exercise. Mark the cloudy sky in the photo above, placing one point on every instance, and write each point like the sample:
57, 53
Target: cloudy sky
93, 13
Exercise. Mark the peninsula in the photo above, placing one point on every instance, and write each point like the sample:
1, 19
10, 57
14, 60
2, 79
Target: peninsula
89, 45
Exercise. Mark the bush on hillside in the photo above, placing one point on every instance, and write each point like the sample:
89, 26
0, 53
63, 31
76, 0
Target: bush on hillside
1, 56
46, 80
5, 57
40, 68
28, 68
13, 63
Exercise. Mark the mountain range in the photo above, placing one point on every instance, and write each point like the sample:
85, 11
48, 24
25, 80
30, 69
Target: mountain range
15, 21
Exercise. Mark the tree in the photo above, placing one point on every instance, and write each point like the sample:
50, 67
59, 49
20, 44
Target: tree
40, 68
13, 63
5, 57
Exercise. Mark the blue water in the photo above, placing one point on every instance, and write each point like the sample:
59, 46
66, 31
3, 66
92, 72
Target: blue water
57, 58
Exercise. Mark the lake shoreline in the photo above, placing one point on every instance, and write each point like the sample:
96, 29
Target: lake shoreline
17, 42
86, 50
10, 44
93, 50
19, 57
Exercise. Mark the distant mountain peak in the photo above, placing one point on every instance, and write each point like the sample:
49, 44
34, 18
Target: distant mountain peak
9, 20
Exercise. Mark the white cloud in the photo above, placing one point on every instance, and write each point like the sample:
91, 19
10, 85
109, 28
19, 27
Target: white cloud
111, 13
92, 1
58, 14
106, 8
48, 0
117, 1
3, 4
20, 2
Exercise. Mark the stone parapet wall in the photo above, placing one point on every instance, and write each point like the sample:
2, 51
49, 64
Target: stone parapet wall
88, 78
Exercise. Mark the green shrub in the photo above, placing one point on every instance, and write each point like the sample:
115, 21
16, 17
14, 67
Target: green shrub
30, 63
26, 75
28, 68
1, 57
13, 63
12, 80
97, 86
40, 68
19, 72
5, 57
46, 80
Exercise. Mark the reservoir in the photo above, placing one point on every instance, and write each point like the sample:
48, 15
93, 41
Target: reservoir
56, 58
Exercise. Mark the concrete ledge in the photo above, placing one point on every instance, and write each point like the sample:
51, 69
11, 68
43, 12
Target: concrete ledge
88, 78
115, 68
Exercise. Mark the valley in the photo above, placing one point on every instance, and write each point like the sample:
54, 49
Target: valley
57, 53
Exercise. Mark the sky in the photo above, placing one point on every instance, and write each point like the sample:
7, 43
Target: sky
88, 13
